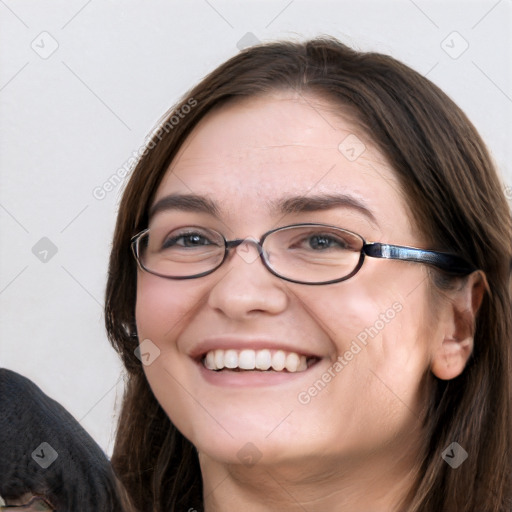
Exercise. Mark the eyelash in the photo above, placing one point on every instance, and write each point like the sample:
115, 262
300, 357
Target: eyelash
169, 242
172, 241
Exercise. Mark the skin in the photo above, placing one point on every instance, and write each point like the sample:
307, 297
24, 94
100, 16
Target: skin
355, 445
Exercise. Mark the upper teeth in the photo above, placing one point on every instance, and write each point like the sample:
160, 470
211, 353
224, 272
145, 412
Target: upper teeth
248, 359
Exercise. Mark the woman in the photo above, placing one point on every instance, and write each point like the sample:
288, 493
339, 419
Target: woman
309, 287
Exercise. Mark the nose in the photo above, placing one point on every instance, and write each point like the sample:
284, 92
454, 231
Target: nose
245, 287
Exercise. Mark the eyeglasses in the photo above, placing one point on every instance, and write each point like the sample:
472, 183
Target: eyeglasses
36, 504
301, 253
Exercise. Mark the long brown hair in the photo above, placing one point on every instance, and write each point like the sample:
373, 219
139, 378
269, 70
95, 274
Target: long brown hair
457, 202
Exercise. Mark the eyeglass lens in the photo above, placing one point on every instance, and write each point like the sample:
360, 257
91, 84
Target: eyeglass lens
309, 253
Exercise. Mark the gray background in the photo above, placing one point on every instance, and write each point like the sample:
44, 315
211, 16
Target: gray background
81, 85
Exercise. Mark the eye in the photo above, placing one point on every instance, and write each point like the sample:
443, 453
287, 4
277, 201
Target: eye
188, 239
318, 240
323, 242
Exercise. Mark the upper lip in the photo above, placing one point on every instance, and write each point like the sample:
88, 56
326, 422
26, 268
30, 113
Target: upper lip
238, 343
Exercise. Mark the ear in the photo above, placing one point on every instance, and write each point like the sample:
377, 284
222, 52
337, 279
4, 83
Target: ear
457, 323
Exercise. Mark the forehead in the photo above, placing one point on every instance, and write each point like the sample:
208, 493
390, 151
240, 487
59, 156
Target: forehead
251, 153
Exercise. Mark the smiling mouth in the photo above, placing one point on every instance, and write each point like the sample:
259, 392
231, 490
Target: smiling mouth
257, 361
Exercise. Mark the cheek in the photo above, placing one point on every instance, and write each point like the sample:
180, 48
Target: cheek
382, 331
163, 309
162, 306
376, 390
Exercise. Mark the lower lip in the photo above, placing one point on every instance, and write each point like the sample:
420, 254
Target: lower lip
249, 378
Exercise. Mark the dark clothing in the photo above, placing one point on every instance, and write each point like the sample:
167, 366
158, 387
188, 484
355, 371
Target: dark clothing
44, 450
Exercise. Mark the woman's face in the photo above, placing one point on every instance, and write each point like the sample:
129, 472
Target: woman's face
366, 340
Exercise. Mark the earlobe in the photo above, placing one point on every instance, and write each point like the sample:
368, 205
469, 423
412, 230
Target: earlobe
451, 358
456, 340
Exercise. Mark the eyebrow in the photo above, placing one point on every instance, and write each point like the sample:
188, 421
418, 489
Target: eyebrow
185, 202
298, 204
283, 206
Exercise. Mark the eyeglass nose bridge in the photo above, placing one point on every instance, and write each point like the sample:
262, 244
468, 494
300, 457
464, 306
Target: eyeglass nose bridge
246, 255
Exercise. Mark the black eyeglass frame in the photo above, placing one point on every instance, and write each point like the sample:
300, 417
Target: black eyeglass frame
448, 262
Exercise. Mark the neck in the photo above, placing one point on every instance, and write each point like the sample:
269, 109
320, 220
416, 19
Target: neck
327, 484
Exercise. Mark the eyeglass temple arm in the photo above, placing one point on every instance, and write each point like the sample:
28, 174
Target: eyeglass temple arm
447, 262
